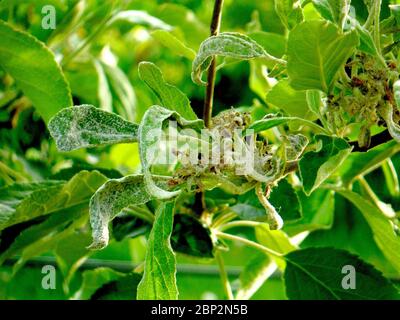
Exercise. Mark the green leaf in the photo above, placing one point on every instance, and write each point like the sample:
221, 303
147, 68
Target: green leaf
226, 44
121, 86
290, 12
43, 200
184, 20
316, 274
124, 288
168, 40
35, 70
316, 52
109, 200
159, 277
93, 280
54, 224
351, 232
170, 97
293, 102
273, 43
361, 163
333, 10
191, 237
283, 198
103, 89
255, 273
273, 121
384, 234
87, 126
139, 17
150, 133
317, 166
276, 240
367, 43
127, 225
317, 212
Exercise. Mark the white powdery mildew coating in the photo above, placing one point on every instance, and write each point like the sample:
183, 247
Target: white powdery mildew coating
109, 200
393, 127
296, 146
226, 44
87, 126
150, 131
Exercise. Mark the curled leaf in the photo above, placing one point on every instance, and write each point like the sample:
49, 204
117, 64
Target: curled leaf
150, 136
109, 200
227, 44
274, 220
393, 127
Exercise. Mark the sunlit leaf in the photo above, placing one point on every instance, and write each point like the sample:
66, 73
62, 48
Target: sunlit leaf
159, 277
35, 70
316, 52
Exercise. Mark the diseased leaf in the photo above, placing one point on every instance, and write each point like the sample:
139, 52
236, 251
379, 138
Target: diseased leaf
316, 52
396, 92
35, 71
168, 40
87, 126
109, 200
170, 97
150, 133
393, 127
159, 277
316, 274
383, 230
290, 12
227, 44
317, 166
41, 200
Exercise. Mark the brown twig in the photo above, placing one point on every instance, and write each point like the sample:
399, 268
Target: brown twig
214, 29
199, 203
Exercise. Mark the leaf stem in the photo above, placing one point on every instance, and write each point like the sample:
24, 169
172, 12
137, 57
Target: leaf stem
239, 223
214, 29
224, 276
391, 177
377, 31
250, 243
